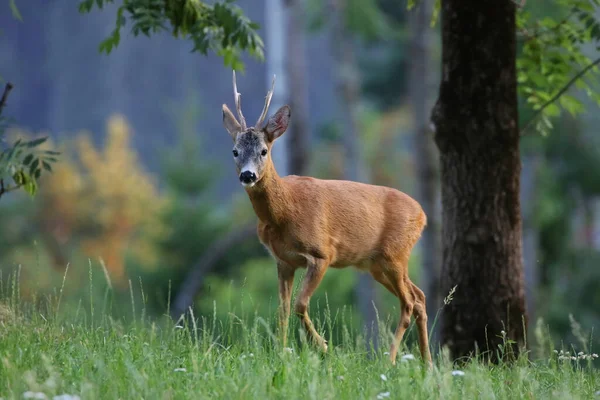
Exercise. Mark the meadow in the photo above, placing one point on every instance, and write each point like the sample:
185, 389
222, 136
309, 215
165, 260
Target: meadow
50, 351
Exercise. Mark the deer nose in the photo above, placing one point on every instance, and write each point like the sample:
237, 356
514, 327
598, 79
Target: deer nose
247, 177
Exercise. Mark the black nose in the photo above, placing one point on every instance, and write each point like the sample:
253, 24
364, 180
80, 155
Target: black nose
247, 177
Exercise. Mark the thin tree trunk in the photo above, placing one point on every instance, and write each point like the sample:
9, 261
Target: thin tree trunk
425, 158
275, 54
589, 219
476, 120
299, 134
348, 88
530, 234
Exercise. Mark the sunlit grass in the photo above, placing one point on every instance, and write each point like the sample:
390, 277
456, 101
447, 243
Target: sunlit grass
46, 353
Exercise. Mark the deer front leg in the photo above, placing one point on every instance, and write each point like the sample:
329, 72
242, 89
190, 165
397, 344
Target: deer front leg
286, 281
314, 274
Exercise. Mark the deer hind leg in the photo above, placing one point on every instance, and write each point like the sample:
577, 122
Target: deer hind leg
396, 277
314, 274
421, 319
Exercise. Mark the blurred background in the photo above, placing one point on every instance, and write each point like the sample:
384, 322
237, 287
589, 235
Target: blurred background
145, 201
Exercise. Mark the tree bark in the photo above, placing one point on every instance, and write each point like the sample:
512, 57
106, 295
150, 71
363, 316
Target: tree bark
478, 138
426, 157
299, 135
348, 89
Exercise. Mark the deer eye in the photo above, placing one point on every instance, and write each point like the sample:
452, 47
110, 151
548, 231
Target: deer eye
264, 152
235, 153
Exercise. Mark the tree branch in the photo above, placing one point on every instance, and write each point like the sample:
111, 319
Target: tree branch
6, 189
560, 93
195, 277
7, 90
553, 29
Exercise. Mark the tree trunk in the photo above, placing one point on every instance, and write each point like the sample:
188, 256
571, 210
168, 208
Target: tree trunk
478, 138
299, 135
348, 89
275, 54
530, 233
425, 158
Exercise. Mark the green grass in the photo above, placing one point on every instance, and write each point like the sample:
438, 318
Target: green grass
51, 346
163, 360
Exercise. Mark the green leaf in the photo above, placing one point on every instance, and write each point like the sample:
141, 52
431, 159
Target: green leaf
34, 165
552, 110
36, 142
437, 6
15, 10
30, 187
28, 159
571, 104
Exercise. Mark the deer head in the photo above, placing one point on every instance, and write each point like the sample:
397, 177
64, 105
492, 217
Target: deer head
252, 145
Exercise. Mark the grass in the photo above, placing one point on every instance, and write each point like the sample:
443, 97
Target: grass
45, 353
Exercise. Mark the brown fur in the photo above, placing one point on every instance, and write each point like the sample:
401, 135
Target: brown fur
315, 224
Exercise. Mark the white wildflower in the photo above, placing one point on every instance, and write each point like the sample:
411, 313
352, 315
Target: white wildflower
383, 377
34, 395
458, 373
66, 397
340, 378
594, 355
180, 370
383, 395
407, 357
288, 350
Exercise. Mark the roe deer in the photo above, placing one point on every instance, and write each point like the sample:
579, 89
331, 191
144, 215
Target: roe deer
315, 224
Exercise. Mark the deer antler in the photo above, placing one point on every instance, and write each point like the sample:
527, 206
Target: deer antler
238, 105
267, 104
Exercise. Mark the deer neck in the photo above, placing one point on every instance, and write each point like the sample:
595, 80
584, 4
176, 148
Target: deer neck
270, 198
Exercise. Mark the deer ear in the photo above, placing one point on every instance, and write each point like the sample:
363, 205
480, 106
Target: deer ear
278, 123
230, 123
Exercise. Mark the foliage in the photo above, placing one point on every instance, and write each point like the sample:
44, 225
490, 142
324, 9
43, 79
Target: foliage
554, 57
364, 18
22, 162
194, 218
220, 27
567, 177
15, 10
100, 202
383, 60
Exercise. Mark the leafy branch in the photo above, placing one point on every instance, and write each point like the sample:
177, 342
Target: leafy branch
22, 162
554, 58
220, 27
574, 79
